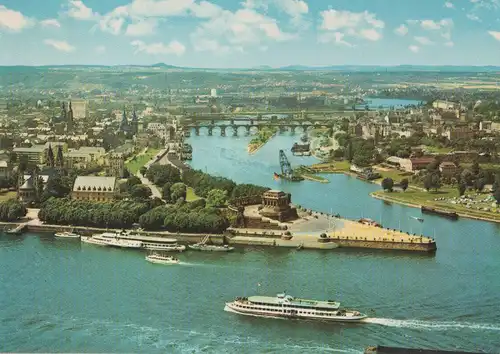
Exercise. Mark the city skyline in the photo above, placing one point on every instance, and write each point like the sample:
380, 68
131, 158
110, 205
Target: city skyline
250, 33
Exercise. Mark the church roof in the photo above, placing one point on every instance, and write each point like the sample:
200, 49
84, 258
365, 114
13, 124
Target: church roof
28, 184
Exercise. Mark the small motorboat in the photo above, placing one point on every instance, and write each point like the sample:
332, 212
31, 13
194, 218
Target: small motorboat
417, 218
67, 234
161, 259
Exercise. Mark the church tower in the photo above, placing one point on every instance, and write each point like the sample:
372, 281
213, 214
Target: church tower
63, 113
69, 119
124, 123
134, 124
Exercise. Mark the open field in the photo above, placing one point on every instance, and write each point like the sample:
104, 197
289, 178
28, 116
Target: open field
448, 200
136, 162
191, 195
7, 195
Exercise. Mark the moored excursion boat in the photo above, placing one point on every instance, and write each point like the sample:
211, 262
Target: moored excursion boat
93, 241
286, 306
67, 234
152, 243
214, 248
161, 259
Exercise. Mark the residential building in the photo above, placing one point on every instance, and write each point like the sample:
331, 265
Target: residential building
415, 163
447, 169
459, 132
115, 164
34, 154
5, 169
446, 105
99, 189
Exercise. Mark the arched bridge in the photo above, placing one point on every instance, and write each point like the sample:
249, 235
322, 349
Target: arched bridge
234, 127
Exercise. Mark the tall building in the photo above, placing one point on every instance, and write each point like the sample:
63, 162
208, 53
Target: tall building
80, 109
69, 119
213, 93
134, 124
124, 123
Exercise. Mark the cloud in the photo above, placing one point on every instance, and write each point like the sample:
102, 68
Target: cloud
401, 30
78, 10
142, 28
205, 9
100, 49
245, 27
13, 20
113, 21
174, 47
473, 17
355, 24
370, 34
449, 5
414, 48
495, 35
335, 37
296, 9
159, 8
61, 46
51, 22
423, 40
449, 44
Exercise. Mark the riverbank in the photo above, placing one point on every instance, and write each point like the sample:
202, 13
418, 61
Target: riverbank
408, 199
261, 139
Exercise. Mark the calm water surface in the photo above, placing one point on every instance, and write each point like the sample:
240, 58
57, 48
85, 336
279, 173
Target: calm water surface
58, 295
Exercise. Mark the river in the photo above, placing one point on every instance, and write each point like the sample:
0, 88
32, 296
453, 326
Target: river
59, 295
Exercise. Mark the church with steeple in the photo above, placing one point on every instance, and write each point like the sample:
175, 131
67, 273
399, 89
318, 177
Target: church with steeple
127, 127
65, 118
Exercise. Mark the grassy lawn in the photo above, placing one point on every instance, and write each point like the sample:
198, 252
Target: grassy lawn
438, 150
417, 197
138, 161
7, 195
396, 175
332, 167
191, 195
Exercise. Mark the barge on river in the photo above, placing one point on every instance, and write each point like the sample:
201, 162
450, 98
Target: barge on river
447, 214
286, 306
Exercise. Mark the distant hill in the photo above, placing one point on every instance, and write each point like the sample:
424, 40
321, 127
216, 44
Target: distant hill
398, 68
165, 66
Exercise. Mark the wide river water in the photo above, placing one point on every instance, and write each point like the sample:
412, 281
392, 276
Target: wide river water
60, 295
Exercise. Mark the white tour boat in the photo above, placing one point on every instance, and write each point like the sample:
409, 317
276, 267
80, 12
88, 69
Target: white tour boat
286, 306
214, 248
67, 234
148, 242
115, 240
161, 259
93, 241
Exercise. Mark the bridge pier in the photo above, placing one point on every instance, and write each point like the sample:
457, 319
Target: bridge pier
282, 129
212, 122
251, 121
222, 130
235, 130
197, 131
232, 121
248, 129
210, 130
292, 128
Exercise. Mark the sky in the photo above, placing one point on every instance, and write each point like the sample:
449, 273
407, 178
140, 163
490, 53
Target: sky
250, 33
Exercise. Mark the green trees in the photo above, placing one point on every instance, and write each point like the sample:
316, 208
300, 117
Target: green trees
118, 214
12, 210
161, 174
57, 186
143, 170
131, 182
461, 188
185, 217
140, 191
246, 190
204, 183
432, 181
177, 191
165, 191
217, 198
404, 184
387, 184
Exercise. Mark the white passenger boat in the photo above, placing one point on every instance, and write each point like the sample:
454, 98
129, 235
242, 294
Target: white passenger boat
121, 243
93, 241
161, 259
148, 242
286, 306
66, 234
212, 248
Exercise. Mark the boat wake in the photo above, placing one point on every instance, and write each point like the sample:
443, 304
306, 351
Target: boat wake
432, 325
